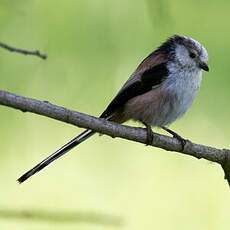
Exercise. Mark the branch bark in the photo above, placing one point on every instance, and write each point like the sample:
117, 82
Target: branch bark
23, 51
45, 108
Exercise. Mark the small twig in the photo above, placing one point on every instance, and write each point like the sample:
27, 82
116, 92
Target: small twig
44, 108
60, 216
23, 51
226, 165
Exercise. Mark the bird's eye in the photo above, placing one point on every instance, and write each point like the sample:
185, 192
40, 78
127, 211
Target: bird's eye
192, 55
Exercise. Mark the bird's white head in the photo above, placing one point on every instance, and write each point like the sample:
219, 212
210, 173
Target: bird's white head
190, 53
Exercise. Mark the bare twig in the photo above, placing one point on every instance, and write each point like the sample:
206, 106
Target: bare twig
44, 108
62, 217
23, 51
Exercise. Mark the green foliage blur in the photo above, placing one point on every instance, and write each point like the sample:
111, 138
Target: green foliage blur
93, 46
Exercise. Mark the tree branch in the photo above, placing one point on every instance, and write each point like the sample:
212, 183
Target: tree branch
44, 108
23, 51
60, 216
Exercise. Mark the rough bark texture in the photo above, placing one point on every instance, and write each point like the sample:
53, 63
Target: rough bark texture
44, 108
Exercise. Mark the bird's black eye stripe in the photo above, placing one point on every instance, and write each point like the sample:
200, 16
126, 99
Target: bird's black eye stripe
192, 55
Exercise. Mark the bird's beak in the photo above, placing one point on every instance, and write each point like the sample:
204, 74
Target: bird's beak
204, 66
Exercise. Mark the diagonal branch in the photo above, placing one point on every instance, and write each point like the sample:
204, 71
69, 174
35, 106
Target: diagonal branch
44, 108
23, 51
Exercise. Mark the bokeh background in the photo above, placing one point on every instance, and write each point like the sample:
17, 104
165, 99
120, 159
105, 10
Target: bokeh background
93, 46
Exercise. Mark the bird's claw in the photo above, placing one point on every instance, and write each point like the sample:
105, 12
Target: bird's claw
176, 136
150, 134
181, 140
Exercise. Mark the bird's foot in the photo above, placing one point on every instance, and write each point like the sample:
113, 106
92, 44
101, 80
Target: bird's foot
177, 136
181, 140
150, 134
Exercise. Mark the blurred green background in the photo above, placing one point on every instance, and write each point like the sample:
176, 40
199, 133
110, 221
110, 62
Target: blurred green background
93, 46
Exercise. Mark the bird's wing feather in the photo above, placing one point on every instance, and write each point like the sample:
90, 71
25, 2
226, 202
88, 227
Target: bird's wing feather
150, 73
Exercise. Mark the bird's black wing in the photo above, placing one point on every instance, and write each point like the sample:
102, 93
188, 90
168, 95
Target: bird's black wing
140, 83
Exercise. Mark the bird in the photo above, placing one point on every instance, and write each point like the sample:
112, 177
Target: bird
161, 90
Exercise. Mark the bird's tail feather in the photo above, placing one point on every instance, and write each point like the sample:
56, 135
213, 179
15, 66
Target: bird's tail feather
64, 149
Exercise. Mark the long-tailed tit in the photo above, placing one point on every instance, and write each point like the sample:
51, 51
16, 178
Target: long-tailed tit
161, 89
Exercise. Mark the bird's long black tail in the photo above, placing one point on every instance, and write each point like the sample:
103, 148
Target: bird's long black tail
64, 149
